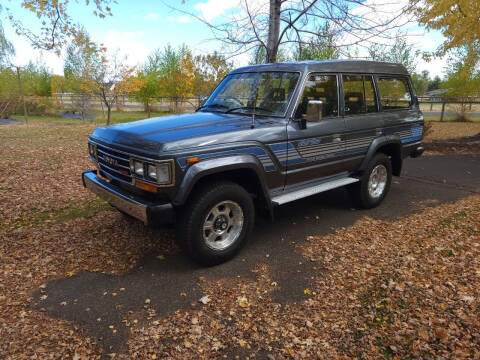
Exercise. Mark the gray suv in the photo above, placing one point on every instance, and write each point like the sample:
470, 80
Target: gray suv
268, 135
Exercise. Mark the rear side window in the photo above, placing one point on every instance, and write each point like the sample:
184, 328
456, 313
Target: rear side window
394, 93
359, 94
323, 88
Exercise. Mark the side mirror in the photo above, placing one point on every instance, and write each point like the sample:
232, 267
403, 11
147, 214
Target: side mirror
314, 110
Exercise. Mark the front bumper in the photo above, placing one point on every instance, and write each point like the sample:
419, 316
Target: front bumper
413, 150
135, 206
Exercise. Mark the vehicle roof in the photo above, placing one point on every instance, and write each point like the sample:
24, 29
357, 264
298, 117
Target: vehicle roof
348, 66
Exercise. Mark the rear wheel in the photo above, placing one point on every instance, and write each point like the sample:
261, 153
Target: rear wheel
374, 184
214, 224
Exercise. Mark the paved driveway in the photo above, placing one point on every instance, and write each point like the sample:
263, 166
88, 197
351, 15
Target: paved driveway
426, 181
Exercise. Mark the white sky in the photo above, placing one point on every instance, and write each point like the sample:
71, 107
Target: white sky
139, 27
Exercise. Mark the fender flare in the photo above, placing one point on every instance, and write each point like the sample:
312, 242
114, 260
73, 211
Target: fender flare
217, 165
377, 144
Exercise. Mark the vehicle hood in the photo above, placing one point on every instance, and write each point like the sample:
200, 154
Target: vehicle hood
168, 133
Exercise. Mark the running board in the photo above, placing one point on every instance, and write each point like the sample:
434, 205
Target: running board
316, 189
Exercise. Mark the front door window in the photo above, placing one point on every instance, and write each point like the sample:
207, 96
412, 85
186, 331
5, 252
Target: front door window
321, 88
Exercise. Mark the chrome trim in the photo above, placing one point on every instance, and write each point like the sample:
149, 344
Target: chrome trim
132, 174
110, 155
119, 165
312, 190
111, 169
122, 152
116, 199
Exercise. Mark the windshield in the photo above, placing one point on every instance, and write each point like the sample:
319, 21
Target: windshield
262, 93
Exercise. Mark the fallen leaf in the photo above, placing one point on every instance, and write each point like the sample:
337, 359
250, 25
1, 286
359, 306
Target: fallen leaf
205, 300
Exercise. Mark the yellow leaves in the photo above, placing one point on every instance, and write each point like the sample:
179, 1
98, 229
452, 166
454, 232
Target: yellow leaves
307, 291
456, 19
242, 302
423, 334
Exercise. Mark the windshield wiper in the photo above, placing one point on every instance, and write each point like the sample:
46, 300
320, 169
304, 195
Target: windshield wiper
254, 108
212, 106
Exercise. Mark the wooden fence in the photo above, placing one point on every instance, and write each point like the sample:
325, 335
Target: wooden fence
469, 101
68, 101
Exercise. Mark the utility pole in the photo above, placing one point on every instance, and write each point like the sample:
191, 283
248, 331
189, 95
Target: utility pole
22, 95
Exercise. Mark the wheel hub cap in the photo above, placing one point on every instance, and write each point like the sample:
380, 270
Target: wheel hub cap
377, 181
222, 225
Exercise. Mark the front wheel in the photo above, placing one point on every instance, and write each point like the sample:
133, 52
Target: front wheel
215, 223
374, 183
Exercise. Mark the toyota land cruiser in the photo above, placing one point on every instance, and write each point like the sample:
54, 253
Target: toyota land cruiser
267, 135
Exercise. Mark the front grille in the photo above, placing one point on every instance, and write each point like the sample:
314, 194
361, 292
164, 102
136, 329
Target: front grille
114, 164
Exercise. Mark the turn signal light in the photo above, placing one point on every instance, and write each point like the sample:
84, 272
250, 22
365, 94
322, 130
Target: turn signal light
146, 187
193, 160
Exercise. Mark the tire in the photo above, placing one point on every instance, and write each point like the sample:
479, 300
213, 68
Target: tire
374, 184
213, 226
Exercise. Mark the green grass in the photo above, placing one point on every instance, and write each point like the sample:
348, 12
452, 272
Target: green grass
83, 209
116, 118
437, 118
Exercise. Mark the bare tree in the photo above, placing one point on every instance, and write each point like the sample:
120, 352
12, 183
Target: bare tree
273, 24
82, 103
106, 79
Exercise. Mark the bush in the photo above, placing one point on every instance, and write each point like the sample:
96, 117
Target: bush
7, 106
38, 106
427, 128
462, 117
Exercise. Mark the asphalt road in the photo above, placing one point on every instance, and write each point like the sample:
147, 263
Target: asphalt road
426, 181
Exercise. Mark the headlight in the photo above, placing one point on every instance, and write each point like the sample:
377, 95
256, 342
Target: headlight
160, 173
92, 149
138, 168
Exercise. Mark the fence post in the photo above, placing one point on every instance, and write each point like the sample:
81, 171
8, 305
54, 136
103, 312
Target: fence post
431, 106
443, 111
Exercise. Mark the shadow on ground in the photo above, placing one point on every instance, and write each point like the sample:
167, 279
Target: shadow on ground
173, 284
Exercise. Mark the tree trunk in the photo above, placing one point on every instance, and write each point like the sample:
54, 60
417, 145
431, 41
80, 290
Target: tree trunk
22, 95
148, 109
273, 30
109, 111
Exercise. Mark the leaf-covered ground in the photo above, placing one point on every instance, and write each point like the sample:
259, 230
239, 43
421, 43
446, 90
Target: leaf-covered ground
401, 289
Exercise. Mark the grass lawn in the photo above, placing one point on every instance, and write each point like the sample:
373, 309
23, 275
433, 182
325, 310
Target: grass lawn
116, 117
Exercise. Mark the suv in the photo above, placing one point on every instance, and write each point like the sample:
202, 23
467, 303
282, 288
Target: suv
268, 135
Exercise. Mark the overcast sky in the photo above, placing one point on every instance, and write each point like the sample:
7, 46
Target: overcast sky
138, 27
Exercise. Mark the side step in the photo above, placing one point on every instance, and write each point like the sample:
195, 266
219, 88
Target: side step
316, 189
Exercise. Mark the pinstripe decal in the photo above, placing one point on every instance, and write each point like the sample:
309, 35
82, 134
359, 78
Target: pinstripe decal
260, 154
289, 154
